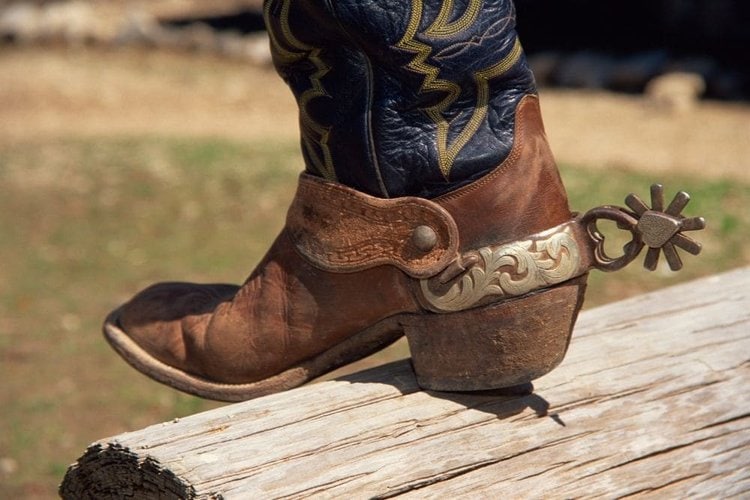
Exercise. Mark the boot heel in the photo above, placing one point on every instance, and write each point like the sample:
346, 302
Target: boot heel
495, 346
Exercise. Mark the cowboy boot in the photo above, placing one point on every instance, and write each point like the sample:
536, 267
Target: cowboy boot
431, 206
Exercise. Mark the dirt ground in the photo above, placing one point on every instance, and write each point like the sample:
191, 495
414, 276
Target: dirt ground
48, 93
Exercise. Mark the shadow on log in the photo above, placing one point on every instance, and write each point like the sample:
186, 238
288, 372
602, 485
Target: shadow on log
652, 399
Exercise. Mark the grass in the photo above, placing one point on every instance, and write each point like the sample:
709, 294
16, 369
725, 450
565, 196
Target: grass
86, 223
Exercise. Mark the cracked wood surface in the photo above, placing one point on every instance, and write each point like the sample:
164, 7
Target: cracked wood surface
652, 400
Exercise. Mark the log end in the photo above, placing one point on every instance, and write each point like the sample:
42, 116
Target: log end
110, 470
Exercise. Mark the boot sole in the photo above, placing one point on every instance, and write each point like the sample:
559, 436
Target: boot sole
500, 345
358, 346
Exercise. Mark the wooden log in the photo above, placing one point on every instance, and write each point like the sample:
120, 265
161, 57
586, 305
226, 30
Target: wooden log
653, 400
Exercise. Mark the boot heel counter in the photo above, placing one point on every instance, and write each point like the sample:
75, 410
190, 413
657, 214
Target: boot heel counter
522, 196
498, 345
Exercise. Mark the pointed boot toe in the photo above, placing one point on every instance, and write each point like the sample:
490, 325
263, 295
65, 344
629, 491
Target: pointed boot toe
159, 331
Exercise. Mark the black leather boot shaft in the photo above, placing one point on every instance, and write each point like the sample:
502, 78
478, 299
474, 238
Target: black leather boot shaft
401, 97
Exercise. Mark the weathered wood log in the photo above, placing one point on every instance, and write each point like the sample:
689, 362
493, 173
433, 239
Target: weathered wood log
653, 398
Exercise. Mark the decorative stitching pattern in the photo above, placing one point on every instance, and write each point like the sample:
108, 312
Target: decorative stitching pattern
314, 135
509, 162
442, 28
341, 230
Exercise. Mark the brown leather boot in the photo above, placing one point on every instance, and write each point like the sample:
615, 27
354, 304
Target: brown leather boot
469, 248
486, 301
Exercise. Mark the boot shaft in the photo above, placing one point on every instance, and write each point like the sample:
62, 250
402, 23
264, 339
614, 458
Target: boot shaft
401, 97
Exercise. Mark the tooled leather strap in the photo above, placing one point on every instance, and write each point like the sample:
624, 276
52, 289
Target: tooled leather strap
339, 229
511, 269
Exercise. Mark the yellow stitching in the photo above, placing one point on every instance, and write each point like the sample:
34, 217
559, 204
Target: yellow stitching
431, 81
503, 65
447, 153
418, 64
312, 132
442, 28
483, 98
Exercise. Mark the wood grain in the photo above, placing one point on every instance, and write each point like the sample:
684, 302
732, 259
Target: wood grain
652, 400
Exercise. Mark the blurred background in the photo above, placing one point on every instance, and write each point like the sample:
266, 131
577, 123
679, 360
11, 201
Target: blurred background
151, 140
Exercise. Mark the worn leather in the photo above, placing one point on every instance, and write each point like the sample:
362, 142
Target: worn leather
524, 195
401, 97
292, 308
342, 230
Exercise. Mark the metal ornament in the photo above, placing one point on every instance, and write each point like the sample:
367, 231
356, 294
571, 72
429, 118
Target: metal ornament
659, 229
557, 255
508, 270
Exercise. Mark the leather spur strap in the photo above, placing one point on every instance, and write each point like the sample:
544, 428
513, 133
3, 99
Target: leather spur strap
342, 230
